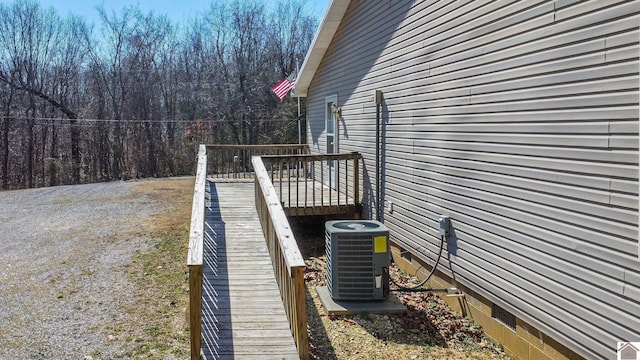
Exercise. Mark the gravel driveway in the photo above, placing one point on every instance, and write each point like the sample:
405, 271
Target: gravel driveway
63, 257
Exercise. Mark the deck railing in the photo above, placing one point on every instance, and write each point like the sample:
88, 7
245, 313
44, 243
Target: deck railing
316, 184
288, 263
234, 161
195, 255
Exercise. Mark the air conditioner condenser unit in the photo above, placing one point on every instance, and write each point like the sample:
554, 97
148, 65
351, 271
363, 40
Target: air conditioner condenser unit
357, 260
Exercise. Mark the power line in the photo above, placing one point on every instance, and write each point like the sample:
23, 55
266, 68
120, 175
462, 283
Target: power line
138, 121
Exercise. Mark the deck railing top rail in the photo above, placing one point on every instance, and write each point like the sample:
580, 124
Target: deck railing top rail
310, 157
271, 147
196, 233
276, 216
288, 263
323, 184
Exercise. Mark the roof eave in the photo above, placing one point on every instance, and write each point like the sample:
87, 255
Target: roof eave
328, 27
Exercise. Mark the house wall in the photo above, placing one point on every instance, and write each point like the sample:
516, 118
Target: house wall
519, 120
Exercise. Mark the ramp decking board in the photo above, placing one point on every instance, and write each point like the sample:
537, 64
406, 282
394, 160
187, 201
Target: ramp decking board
243, 315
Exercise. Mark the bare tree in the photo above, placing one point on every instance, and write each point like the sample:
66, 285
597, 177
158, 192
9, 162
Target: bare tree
30, 36
131, 96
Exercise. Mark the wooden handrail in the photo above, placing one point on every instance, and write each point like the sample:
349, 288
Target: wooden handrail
196, 233
288, 263
195, 255
270, 147
309, 157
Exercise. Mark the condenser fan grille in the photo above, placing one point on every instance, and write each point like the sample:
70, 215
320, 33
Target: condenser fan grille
354, 258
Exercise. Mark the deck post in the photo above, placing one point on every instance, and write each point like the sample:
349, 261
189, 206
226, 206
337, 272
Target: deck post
302, 335
195, 309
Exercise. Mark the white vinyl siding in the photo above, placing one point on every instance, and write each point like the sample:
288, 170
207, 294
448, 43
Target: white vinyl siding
519, 120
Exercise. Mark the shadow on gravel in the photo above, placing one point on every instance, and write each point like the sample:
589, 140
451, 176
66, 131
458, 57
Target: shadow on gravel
319, 342
309, 233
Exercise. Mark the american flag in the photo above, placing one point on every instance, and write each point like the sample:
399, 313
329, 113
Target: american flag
282, 88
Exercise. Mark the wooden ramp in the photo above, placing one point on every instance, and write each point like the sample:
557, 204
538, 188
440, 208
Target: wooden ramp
243, 316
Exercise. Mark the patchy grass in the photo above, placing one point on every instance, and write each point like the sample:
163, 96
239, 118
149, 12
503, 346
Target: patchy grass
159, 329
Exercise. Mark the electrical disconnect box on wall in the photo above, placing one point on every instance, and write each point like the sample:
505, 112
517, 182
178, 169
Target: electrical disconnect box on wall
378, 97
445, 225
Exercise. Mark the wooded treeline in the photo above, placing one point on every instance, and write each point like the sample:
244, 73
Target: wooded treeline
133, 95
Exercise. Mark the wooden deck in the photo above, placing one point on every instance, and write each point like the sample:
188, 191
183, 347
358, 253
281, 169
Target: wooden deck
309, 197
306, 197
243, 316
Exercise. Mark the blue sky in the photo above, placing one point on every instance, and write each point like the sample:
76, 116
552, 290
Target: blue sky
178, 11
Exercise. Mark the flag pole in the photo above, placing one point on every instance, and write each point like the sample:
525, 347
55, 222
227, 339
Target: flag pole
299, 130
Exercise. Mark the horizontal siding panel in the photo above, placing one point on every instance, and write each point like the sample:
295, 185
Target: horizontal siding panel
457, 106
626, 39
582, 76
632, 292
497, 224
623, 142
554, 128
625, 200
455, 14
587, 282
527, 173
529, 47
464, 95
515, 23
560, 165
598, 11
574, 31
540, 187
560, 222
519, 301
546, 252
475, 66
632, 278
580, 247
560, 115
564, 3
622, 54
624, 186
593, 141
489, 216
555, 202
496, 235
597, 154
591, 310
556, 91
499, 43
